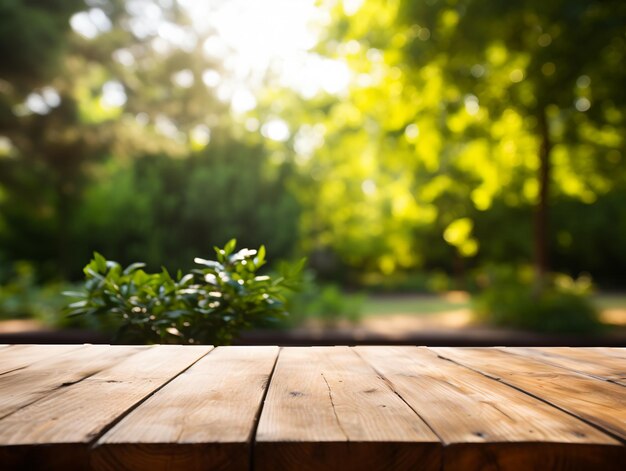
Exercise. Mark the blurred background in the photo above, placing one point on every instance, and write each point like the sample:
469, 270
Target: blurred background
444, 165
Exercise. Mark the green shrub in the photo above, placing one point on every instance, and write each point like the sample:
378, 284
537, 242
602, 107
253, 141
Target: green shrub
513, 299
209, 305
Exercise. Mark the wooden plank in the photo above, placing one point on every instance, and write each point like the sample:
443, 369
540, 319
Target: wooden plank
619, 352
21, 387
327, 409
16, 357
489, 425
591, 363
55, 432
203, 419
593, 400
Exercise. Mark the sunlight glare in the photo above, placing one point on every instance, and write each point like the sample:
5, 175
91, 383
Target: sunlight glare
90, 24
113, 94
36, 104
471, 104
211, 78
200, 136
276, 130
243, 101
274, 38
368, 187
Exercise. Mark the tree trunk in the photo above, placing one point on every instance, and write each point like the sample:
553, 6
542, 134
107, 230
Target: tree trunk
542, 263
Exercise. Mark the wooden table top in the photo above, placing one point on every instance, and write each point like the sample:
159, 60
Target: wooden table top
350, 408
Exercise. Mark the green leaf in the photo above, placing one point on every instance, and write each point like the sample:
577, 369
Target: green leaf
132, 267
165, 274
95, 274
185, 279
260, 257
78, 304
101, 262
230, 246
209, 263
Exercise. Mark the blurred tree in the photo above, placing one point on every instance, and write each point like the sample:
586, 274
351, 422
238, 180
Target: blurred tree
166, 211
33, 36
554, 63
128, 80
457, 106
440, 126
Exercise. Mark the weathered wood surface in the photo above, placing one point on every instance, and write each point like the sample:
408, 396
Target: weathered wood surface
469, 410
73, 414
19, 388
265, 408
327, 408
205, 414
581, 360
593, 400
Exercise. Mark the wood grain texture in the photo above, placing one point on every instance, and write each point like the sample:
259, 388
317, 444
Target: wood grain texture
619, 352
327, 409
591, 363
18, 388
15, 357
338, 408
485, 424
73, 416
596, 401
203, 419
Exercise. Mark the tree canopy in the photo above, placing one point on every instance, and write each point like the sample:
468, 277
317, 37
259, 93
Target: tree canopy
442, 135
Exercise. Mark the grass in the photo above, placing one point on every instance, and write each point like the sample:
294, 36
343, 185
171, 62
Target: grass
610, 300
424, 304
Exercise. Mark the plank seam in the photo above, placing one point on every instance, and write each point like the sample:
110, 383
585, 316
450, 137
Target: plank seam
257, 417
545, 401
546, 361
390, 386
93, 443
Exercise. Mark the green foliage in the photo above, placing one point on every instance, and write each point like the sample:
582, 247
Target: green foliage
21, 297
153, 208
32, 36
431, 146
157, 208
208, 305
513, 299
448, 127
